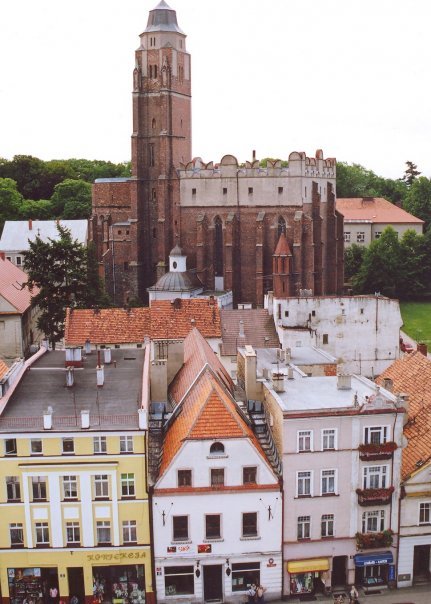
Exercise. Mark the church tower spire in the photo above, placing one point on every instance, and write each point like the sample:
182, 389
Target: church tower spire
282, 268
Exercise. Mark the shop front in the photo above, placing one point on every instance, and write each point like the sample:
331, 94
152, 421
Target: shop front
31, 585
119, 584
374, 570
307, 576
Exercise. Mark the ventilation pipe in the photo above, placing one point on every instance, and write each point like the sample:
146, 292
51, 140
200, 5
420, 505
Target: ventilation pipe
87, 347
70, 378
47, 419
278, 382
107, 356
85, 419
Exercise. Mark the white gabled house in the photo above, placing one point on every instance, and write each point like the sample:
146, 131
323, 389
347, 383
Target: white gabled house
217, 508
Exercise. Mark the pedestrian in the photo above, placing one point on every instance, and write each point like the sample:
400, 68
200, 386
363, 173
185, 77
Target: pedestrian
53, 594
353, 595
259, 593
251, 594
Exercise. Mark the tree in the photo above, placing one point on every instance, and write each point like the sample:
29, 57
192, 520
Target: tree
10, 201
418, 200
414, 265
72, 199
379, 271
410, 173
59, 269
353, 258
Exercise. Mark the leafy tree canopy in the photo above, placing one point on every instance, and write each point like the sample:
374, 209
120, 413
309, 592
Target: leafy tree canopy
356, 181
418, 200
10, 201
72, 199
410, 173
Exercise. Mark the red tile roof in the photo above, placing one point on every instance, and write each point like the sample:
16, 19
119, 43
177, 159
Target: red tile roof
412, 375
259, 330
374, 209
11, 281
3, 369
163, 320
282, 248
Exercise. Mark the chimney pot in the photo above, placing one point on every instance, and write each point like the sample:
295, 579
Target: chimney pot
30, 224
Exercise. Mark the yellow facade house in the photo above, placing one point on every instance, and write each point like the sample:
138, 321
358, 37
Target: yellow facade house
74, 513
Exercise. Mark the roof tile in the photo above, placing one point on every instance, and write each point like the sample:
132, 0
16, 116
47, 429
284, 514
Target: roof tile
12, 279
374, 209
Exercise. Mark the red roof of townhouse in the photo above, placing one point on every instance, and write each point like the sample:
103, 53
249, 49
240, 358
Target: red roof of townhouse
12, 279
165, 319
412, 375
257, 325
374, 209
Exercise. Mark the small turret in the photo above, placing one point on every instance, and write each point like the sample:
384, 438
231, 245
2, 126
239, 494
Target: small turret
281, 268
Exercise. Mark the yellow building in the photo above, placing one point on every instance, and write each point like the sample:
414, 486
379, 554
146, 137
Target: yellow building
74, 512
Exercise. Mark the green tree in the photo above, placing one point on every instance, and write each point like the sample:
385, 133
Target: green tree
410, 173
72, 199
353, 258
379, 271
356, 181
59, 269
10, 201
414, 265
418, 200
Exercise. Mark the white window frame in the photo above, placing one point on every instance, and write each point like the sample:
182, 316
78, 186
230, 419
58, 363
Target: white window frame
101, 484
128, 486
126, 444
303, 524
370, 473
189, 475
101, 526
347, 236
75, 530
327, 525
129, 531
35, 441
15, 488
360, 237
99, 445
368, 518
301, 478
39, 481
220, 535
301, 438
42, 533
371, 432
424, 506
70, 440
325, 478
325, 436
70, 483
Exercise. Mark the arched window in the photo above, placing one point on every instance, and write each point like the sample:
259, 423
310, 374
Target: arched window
281, 226
217, 449
218, 247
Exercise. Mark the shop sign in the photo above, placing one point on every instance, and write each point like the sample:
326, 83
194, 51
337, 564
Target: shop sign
271, 563
204, 548
117, 556
405, 577
391, 573
172, 549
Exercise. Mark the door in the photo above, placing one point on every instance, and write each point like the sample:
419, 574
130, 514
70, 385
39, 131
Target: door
213, 589
421, 563
339, 566
75, 580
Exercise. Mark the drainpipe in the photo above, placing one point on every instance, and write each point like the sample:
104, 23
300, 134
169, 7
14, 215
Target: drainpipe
149, 490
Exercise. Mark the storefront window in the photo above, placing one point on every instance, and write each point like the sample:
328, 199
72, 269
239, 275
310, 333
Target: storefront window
302, 582
179, 580
119, 584
31, 584
245, 574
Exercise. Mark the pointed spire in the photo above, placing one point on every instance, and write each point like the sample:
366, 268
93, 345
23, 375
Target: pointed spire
282, 248
163, 18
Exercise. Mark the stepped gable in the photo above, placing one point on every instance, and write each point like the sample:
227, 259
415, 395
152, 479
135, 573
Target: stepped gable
197, 355
172, 319
412, 375
207, 412
106, 326
259, 330
12, 288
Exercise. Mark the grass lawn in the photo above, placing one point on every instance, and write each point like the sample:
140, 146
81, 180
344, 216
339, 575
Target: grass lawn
417, 320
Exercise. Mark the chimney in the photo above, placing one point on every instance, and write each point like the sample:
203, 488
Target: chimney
30, 224
47, 419
422, 348
290, 373
87, 346
403, 401
253, 388
278, 381
344, 381
100, 376
288, 354
143, 419
159, 381
107, 356
388, 384
70, 379
241, 329
254, 154
85, 419
281, 354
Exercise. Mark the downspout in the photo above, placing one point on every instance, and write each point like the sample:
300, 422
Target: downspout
150, 490
282, 536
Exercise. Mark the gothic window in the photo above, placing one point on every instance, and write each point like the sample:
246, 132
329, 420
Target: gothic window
218, 247
281, 226
151, 71
151, 154
153, 123
155, 71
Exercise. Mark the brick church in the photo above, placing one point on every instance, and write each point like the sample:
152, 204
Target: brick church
243, 227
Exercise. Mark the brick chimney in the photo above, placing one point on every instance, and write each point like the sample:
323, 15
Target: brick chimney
30, 224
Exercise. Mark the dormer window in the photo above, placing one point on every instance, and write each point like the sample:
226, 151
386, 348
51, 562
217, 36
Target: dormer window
217, 449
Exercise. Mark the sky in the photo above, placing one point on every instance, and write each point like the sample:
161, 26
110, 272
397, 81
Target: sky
351, 77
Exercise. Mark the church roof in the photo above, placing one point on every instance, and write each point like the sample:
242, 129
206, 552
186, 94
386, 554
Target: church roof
162, 18
282, 248
177, 282
176, 251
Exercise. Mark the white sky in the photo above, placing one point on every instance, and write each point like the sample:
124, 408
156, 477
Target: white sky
349, 76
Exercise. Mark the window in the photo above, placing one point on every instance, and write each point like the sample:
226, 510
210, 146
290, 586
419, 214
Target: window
376, 435
68, 446
127, 485
42, 533
280, 190
180, 528
126, 444
249, 475
325, 338
129, 531
179, 580
212, 526
304, 440
217, 477
328, 482
303, 484
373, 521
217, 449
224, 190
13, 488
103, 532
347, 236
36, 446
10, 446
249, 524
39, 488
360, 237
70, 487
375, 477
250, 190
151, 155
377, 234
194, 192
99, 444
424, 513
327, 525
328, 439
303, 527
184, 478
18, 260
73, 533
16, 534
286, 313
245, 573
101, 486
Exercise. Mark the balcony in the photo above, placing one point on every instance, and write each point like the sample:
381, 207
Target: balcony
377, 451
374, 540
368, 497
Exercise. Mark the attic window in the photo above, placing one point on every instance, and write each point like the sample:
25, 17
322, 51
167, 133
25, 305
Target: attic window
224, 190
280, 190
217, 448
250, 190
